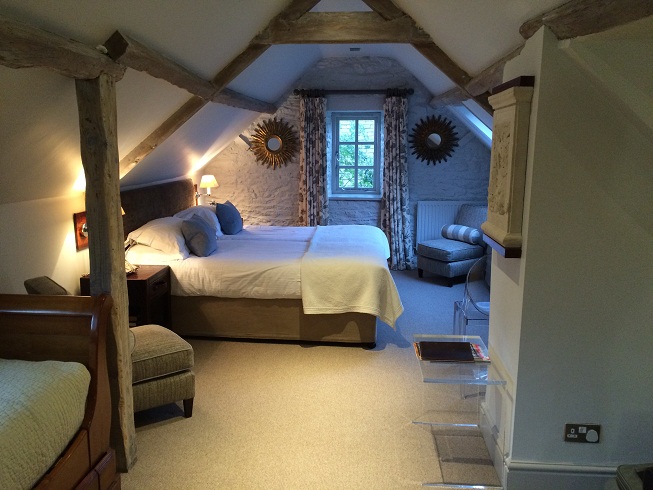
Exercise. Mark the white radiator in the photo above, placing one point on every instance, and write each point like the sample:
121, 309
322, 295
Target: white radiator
433, 215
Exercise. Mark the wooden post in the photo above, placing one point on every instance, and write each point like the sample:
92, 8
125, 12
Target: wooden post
96, 102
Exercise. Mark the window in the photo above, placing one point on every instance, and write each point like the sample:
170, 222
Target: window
355, 162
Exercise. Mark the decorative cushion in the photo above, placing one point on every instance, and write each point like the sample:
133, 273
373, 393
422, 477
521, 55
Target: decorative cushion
162, 234
206, 212
200, 238
230, 220
447, 250
462, 233
158, 352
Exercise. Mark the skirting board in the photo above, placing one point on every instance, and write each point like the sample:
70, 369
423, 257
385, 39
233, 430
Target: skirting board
544, 476
538, 475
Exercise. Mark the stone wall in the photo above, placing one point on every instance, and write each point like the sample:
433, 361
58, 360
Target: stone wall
267, 196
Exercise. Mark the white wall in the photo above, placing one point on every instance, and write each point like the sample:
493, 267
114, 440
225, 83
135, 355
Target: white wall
38, 239
571, 319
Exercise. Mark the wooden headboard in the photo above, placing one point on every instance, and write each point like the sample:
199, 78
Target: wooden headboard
156, 201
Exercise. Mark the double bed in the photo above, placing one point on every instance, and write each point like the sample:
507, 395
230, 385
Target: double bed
325, 283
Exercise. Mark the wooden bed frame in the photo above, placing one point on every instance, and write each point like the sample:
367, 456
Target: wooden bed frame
263, 319
68, 328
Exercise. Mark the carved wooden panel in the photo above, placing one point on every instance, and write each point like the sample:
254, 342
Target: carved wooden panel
508, 169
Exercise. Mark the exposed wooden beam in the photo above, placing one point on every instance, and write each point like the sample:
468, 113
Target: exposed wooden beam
491, 76
236, 99
24, 46
583, 17
445, 64
342, 28
385, 8
160, 134
135, 55
451, 97
239, 64
96, 103
295, 10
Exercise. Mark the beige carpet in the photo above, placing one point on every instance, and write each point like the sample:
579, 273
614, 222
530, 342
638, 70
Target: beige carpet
285, 416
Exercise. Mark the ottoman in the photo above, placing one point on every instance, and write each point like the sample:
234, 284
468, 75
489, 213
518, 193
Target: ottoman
161, 368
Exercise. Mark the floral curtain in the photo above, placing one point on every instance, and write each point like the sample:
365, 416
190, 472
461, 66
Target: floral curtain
395, 218
313, 202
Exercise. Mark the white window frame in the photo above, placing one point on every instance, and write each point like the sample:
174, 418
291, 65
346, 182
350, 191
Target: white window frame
356, 193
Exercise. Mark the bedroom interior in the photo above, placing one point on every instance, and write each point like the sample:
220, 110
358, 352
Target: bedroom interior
592, 79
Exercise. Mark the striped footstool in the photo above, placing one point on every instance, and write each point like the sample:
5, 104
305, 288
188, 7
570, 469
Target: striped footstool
161, 368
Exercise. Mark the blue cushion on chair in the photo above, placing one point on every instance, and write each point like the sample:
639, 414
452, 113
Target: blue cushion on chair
449, 250
462, 233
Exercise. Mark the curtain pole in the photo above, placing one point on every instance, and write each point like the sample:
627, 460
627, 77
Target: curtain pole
320, 93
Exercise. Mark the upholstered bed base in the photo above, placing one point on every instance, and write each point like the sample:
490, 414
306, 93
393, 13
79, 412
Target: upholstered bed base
274, 319
280, 319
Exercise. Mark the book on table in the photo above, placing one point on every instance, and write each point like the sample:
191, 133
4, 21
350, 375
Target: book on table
449, 352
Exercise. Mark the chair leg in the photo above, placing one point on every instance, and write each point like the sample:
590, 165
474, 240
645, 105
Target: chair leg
420, 272
188, 407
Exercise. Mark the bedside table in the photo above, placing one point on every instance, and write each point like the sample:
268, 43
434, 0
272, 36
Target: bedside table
149, 295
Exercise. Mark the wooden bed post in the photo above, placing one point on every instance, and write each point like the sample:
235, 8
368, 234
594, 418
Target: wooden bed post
96, 102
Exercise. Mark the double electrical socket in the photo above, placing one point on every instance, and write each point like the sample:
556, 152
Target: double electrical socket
583, 433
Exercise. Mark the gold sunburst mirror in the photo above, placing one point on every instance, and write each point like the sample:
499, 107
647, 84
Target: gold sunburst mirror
433, 139
274, 143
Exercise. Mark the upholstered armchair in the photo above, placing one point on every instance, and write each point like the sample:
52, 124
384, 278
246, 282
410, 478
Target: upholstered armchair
460, 246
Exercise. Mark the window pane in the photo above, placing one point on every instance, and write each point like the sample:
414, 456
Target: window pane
366, 155
347, 155
347, 130
346, 178
366, 179
366, 130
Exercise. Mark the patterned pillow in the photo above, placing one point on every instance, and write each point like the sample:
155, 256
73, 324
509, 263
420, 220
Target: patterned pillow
462, 234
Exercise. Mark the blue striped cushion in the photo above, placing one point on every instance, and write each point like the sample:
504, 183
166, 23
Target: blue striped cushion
462, 234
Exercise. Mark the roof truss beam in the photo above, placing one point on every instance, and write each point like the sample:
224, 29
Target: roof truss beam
24, 46
583, 17
342, 28
135, 55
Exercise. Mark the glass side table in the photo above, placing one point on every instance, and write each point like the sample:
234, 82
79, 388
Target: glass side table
474, 378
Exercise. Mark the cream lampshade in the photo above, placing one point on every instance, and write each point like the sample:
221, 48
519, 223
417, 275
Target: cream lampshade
207, 182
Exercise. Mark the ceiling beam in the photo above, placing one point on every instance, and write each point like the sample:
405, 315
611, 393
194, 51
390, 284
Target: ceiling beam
583, 17
24, 46
342, 28
296, 9
135, 55
238, 64
160, 134
385, 8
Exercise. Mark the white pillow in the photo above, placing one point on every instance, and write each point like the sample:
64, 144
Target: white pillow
162, 234
207, 213
144, 255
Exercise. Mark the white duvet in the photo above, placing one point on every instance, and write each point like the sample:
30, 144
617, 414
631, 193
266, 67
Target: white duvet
333, 269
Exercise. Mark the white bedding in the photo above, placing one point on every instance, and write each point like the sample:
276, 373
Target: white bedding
347, 271
333, 269
41, 408
264, 232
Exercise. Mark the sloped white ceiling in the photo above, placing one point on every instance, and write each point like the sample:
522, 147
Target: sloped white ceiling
38, 122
